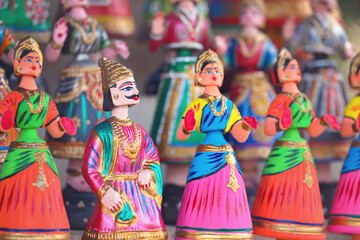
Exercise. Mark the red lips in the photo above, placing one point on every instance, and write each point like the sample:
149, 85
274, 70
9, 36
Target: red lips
136, 98
34, 68
214, 78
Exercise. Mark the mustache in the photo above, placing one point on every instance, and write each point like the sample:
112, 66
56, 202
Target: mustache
132, 96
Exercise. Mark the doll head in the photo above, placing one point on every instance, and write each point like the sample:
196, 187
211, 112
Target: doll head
252, 13
118, 85
174, 2
28, 58
320, 6
209, 69
354, 73
74, 3
286, 68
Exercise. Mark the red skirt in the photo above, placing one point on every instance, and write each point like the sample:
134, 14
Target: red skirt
286, 207
26, 210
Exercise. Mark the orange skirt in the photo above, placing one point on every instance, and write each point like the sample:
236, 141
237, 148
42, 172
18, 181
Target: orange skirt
287, 207
26, 210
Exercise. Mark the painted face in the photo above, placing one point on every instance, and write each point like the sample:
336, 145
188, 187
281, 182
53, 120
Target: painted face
323, 5
355, 79
252, 17
75, 3
30, 65
292, 72
176, 1
212, 75
124, 92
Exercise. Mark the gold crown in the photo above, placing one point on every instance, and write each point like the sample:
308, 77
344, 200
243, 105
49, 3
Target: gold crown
112, 72
207, 56
28, 44
259, 3
282, 56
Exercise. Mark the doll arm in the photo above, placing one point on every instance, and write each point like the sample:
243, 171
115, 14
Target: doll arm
60, 33
279, 115
241, 129
186, 126
318, 125
8, 108
116, 47
158, 32
349, 126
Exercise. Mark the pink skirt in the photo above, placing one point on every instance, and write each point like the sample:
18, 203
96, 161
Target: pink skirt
345, 211
210, 208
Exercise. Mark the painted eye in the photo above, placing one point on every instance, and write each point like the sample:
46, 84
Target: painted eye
208, 72
28, 60
217, 72
37, 62
127, 89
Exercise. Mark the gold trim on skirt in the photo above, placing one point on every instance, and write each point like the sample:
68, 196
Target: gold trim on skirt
291, 144
25, 145
67, 150
212, 148
22, 236
288, 227
344, 221
123, 235
212, 235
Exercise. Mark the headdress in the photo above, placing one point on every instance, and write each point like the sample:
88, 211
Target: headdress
282, 56
28, 44
259, 3
207, 56
112, 72
354, 66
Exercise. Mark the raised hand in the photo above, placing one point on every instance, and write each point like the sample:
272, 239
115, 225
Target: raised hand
286, 119
221, 43
144, 178
190, 120
121, 48
112, 200
68, 125
7, 120
60, 31
331, 121
251, 122
158, 24
289, 28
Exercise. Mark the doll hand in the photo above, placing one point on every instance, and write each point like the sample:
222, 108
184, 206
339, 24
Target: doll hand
60, 31
68, 125
190, 120
331, 121
251, 122
349, 50
358, 123
158, 24
121, 48
112, 200
288, 28
286, 119
221, 43
144, 178
7, 120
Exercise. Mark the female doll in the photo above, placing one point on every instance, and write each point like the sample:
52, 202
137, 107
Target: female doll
7, 43
79, 97
184, 31
214, 203
287, 203
121, 165
31, 202
249, 55
345, 211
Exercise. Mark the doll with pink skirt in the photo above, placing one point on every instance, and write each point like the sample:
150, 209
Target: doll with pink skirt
214, 204
345, 211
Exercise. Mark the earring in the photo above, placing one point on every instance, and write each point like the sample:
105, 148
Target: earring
18, 69
116, 97
199, 80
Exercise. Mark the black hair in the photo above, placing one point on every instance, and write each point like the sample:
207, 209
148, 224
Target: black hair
204, 64
275, 74
25, 53
108, 103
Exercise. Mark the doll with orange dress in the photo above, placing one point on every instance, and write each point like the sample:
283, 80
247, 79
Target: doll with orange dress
214, 204
345, 211
121, 165
31, 201
287, 204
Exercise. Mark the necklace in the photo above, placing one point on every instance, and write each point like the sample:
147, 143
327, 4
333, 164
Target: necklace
130, 149
296, 96
87, 40
27, 93
244, 48
213, 108
193, 31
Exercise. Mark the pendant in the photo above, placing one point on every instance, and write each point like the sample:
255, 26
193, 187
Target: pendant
193, 35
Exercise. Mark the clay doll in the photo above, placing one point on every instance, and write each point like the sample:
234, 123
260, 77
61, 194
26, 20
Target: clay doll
249, 55
121, 165
183, 32
345, 211
79, 97
31, 202
6, 48
214, 204
287, 204
30, 17
315, 40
